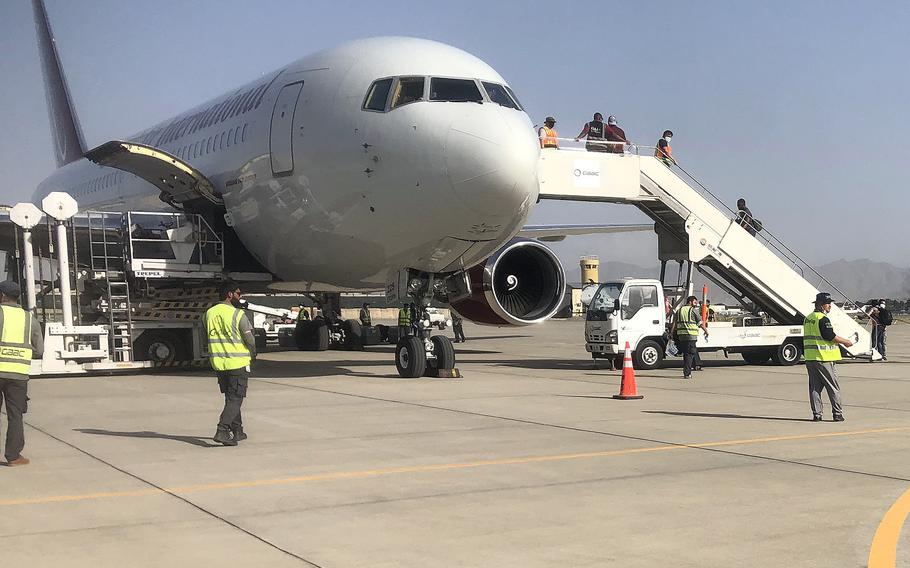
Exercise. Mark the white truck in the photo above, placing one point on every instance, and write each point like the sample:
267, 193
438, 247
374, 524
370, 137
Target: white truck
636, 311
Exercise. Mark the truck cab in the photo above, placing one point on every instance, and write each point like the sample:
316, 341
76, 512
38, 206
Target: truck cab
632, 310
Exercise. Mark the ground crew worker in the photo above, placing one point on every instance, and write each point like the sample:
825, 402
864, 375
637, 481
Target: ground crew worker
20, 341
614, 133
663, 151
404, 321
821, 350
593, 133
548, 137
365, 317
688, 321
303, 314
457, 328
231, 349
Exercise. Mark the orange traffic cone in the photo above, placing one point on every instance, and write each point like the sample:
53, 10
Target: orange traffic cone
628, 390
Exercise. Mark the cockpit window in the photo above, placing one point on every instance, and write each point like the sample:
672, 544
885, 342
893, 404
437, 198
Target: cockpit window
378, 95
454, 90
514, 98
499, 95
408, 90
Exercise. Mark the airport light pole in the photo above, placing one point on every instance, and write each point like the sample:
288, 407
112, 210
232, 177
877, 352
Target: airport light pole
61, 206
26, 216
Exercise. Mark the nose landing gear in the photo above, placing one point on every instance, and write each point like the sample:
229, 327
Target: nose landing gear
419, 353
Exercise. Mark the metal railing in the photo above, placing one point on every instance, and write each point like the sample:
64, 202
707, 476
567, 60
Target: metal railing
781, 249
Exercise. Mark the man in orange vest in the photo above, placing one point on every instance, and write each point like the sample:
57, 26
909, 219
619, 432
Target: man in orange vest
547, 135
663, 151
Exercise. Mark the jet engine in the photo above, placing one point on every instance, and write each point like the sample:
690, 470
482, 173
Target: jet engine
521, 284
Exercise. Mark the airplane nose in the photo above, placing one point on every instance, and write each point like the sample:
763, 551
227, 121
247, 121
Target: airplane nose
491, 161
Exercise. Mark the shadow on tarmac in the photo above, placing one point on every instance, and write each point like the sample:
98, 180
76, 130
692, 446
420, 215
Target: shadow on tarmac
713, 415
201, 441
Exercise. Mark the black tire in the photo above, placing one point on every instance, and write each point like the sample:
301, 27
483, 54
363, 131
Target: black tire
312, 335
648, 355
444, 351
383, 332
260, 337
353, 335
757, 357
788, 353
159, 346
410, 357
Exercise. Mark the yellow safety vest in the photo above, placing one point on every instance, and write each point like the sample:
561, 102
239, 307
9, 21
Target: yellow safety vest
404, 317
685, 323
815, 347
15, 341
303, 315
226, 348
365, 317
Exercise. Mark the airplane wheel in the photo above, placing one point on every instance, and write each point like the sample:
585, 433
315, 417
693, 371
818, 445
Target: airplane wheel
445, 355
410, 357
312, 335
353, 335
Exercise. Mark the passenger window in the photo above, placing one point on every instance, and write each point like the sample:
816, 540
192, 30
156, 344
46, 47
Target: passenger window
408, 90
243, 134
208, 145
378, 95
499, 95
236, 132
454, 90
637, 297
221, 142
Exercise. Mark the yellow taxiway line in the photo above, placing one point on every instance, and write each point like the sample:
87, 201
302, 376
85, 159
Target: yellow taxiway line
883, 553
181, 490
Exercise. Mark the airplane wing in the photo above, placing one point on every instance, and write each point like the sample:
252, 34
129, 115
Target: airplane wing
554, 233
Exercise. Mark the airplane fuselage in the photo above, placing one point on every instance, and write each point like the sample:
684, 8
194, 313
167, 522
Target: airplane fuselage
323, 191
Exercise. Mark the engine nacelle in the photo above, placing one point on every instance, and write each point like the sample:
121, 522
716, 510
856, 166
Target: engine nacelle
521, 284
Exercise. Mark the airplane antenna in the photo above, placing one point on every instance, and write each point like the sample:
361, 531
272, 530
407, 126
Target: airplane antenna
69, 142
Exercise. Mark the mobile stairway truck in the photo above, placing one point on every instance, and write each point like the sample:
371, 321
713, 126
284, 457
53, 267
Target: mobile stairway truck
633, 311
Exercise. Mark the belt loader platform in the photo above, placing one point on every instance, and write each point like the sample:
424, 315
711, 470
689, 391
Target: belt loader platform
693, 225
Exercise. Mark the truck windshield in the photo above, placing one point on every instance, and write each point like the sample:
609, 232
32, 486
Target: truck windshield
601, 305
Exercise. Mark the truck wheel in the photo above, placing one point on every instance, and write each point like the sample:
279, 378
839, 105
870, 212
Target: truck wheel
159, 346
410, 357
788, 353
648, 355
757, 357
353, 335
445, 355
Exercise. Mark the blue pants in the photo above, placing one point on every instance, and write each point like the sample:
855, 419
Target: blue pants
878, 338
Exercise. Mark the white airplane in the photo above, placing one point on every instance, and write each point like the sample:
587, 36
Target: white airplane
387, 161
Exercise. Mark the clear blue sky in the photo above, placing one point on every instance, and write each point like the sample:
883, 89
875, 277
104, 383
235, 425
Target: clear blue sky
801, 107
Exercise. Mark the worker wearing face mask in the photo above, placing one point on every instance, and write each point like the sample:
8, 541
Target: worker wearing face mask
663, 151
231, 350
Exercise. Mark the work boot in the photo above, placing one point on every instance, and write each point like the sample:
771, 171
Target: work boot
223, 436
838, 417
239, 434
21, 460
817, 418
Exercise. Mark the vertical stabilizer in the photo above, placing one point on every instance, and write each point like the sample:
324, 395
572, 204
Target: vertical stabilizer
68, 140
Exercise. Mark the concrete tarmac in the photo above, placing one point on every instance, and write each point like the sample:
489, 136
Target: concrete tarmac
527, 461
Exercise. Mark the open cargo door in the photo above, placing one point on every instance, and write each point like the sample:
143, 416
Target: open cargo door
180, 183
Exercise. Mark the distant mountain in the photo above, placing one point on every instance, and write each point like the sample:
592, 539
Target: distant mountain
864, 279
860, 279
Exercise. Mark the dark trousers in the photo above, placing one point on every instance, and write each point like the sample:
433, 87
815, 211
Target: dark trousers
879, 338
404, 331
233, 385
15, 392
459, 332
689, 353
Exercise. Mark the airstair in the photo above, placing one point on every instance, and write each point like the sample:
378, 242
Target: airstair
693, 225
108, 265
